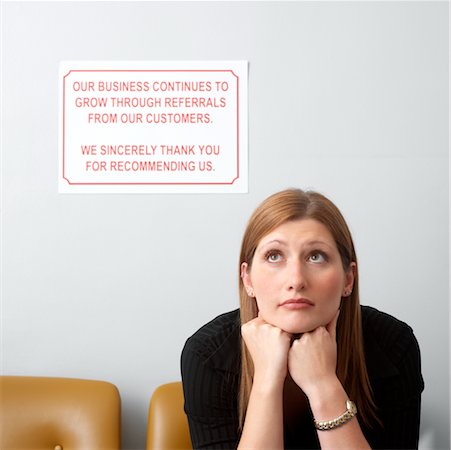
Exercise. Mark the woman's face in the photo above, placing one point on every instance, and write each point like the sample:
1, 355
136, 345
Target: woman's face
297, 276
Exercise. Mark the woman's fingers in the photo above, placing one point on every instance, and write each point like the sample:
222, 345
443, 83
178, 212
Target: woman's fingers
268, 347
312, 359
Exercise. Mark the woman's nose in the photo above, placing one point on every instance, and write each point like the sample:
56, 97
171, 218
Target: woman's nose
297, 276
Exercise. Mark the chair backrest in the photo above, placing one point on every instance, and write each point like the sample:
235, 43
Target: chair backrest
58, 413
167, 427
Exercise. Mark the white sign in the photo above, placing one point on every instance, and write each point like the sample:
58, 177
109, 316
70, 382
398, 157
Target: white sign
162, 126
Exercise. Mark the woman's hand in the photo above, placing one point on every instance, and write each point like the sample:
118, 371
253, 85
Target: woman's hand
268, 347
312, 359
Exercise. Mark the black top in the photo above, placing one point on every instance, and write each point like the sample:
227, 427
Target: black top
211, 369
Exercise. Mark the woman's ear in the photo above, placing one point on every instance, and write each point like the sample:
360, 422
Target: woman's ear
349, 280
245, 276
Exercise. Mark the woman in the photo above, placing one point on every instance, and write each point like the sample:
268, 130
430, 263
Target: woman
301, 364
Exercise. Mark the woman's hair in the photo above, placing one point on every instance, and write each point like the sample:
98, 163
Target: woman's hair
294, 204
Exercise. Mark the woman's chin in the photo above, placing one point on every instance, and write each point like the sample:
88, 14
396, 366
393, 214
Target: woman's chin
296, 329
293, 325
300, 325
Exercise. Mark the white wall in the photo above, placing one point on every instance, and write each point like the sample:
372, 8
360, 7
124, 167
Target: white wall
350, 99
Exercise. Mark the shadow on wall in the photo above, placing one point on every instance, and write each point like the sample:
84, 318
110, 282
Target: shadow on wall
432, 436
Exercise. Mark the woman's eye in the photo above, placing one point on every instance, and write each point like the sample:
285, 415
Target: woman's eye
317, 257
273, 257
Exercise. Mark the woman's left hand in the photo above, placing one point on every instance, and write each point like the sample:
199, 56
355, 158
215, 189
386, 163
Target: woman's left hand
312, 359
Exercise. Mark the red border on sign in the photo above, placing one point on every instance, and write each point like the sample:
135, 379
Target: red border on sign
149, 183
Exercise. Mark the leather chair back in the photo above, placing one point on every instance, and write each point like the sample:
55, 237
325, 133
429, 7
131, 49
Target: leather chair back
167, 427
58, 413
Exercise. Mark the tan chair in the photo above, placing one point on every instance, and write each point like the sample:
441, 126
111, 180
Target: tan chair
58, 414
167, 427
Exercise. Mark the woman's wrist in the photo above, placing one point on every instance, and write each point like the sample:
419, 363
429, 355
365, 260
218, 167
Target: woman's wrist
265, 384
328, 400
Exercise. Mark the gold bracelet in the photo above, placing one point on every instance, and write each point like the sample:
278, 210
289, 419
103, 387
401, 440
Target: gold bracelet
351, 411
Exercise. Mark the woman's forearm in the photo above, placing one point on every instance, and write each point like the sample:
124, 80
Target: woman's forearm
263, 425
327, 403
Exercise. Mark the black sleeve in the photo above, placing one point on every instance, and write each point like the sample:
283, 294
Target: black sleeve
399, 401
210, 401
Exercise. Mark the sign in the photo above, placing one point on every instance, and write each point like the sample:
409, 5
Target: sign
157, 127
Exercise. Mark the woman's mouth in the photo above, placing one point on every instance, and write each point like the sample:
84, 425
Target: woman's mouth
297, 303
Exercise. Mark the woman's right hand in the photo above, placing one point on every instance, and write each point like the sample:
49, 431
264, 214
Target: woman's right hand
268, 347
